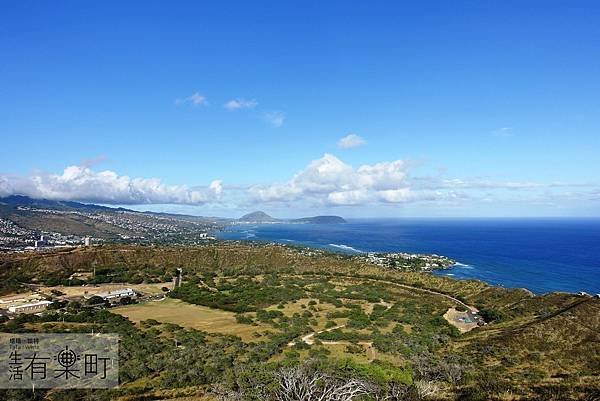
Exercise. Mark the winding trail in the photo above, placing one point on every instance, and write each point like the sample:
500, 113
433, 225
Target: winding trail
441, 294
308, 338
472, 309
409, 287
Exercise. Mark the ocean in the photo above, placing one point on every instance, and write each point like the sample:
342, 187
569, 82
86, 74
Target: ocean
542, 255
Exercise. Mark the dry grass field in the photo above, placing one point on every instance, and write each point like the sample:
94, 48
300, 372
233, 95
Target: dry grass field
190, 316
89, 290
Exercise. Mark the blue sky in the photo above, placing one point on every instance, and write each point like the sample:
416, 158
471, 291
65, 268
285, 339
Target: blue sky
492, 108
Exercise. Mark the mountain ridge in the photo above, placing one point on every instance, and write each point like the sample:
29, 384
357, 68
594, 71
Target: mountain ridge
261, 217
258, 217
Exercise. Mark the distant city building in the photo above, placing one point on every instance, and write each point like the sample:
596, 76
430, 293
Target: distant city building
87, 241
177, 279
28, 308
41, 242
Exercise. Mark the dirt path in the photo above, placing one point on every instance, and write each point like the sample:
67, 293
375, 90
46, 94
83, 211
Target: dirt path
472, 309
409, 287
451, 317
308, 338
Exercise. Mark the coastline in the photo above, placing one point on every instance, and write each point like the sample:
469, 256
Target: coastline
509, 255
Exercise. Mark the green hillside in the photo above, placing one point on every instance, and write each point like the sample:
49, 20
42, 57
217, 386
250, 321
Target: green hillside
326, 315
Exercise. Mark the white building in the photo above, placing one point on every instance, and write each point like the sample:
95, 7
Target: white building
127, 292
41, 242
33, 307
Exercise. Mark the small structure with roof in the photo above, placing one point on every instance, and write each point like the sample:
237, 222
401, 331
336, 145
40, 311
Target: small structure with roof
30, 308
127, 292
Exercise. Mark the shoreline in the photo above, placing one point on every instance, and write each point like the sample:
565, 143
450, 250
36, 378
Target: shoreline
304, 250
343, 250
441, 271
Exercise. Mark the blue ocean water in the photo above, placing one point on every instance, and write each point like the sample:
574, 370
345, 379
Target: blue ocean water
542, 255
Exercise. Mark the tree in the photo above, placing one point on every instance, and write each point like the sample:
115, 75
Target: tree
95, 300
491, 315
302, 383
425, 389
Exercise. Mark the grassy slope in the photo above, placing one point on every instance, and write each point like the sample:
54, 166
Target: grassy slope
541, 338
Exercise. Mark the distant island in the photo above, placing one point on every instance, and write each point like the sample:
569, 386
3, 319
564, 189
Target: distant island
262, 217
321, 220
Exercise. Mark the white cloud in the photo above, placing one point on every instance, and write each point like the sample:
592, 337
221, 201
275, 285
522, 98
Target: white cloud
503, 132
351, 141
353, 197
80, 183
324, 182
397, 195
237, 104
274, 118
330, 180
195, 99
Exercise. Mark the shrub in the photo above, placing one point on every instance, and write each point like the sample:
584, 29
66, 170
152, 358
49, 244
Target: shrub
243, 319
491, 315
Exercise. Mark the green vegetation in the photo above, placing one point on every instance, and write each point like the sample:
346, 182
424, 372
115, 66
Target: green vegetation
491, 315
260, 316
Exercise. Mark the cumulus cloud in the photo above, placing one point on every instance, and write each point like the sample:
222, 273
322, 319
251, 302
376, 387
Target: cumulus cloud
397, 195
237, 104
353, 197
334, 182
80, 183
351, 141
324, 182
274, 118
195, 99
